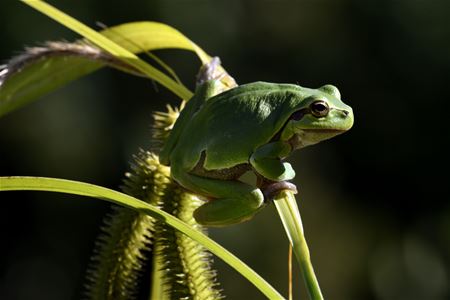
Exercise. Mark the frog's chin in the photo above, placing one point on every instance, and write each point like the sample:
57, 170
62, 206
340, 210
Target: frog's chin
307, 137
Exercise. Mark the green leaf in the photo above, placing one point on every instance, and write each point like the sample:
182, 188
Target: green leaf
292, 222
90, 190
38, 74
41, 77
111, 47
146, 36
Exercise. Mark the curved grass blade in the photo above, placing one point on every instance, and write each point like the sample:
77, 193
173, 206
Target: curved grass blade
146, 36
111, 47
41, 70
292, 222
90, 190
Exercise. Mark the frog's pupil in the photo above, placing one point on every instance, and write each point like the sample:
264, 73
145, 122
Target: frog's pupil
319, 108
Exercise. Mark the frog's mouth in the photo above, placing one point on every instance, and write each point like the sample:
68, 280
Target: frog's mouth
307, 137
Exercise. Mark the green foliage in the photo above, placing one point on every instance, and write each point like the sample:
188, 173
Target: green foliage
40, 70
290, 217
111, 47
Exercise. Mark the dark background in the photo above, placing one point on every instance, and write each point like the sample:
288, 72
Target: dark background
374, 201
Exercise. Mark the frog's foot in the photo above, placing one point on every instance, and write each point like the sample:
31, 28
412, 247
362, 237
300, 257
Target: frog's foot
231, 201
270, 190
210, 71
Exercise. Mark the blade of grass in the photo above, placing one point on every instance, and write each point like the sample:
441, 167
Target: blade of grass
41, 77
90, 190
290, 216
145, 35
110, 47
290, 295
155, 58
40, 70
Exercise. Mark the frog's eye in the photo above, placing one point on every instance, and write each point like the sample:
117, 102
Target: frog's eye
319, 108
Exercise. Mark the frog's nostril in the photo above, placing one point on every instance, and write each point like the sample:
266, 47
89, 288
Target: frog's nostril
345, 113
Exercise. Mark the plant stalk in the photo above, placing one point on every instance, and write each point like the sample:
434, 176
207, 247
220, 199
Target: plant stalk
290, 216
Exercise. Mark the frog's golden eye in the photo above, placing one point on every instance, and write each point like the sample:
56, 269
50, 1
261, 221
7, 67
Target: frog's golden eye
319, 108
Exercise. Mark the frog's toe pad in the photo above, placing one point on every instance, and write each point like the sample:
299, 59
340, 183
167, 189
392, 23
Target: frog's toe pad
274, 188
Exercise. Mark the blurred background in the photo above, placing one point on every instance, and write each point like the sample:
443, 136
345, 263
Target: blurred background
374, 201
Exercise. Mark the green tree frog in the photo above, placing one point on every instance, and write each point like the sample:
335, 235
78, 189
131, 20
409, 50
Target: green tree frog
252, 127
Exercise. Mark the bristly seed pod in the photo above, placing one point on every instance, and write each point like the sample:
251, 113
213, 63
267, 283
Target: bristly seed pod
120, 255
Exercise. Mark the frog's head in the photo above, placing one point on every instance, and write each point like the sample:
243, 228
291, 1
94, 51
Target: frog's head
319, 115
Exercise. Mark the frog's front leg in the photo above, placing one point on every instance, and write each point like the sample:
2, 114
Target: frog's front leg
232, 201
266, 161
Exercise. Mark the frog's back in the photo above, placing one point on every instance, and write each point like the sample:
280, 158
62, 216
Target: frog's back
230, 126
194, 104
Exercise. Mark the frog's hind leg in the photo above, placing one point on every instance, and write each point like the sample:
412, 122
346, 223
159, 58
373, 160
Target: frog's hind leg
232, 201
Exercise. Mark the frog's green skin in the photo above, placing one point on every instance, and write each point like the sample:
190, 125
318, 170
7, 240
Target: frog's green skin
250, 127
